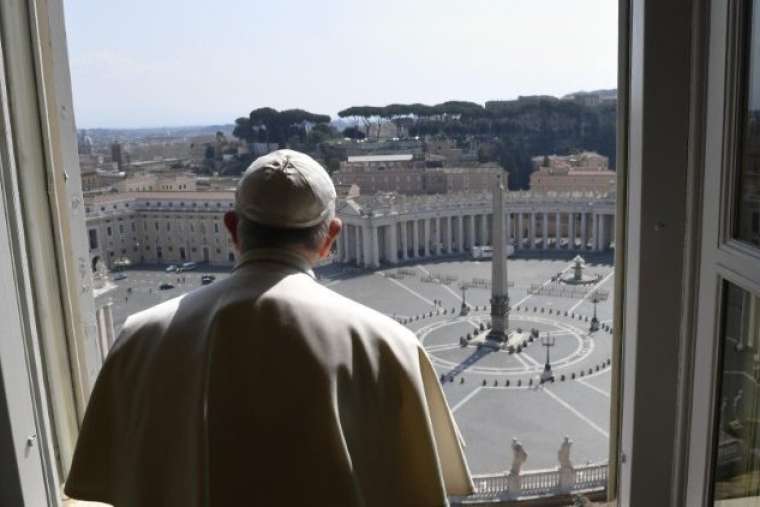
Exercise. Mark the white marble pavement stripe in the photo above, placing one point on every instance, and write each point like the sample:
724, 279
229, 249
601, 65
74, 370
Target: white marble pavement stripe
547, 282
445, 287
408, 289
466, 399
591, 291
594, 388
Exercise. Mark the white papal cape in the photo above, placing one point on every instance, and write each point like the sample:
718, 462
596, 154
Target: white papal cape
267, 388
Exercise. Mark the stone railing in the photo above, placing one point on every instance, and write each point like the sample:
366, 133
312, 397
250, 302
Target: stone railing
536, 483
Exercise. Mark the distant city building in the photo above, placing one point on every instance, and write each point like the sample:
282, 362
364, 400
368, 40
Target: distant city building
152, 182
383, 147
84, 143
593, 98
405, 174
88, 166
582, 172
348, 191
118, 155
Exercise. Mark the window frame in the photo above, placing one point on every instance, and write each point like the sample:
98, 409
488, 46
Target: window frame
51, 227
646, 128
723, 258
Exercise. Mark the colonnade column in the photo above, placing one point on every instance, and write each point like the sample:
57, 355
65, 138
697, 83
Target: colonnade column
460, 237
595, 233
571, 228
392, 244
603, 233
426, 233
449, 235
437, 237
346, 246
404, 240
339, 249
519, 235
375, 245
558, 231
367, 256
416, 238
357, 230
468, 230
584, 231
545, 239
483, 230
532, 230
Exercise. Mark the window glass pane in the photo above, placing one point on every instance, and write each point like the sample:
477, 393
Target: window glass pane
737, 468
748, 216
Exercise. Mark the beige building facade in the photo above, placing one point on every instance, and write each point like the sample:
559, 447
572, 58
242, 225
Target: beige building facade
582, 172
406, 175
161, 182
159, 227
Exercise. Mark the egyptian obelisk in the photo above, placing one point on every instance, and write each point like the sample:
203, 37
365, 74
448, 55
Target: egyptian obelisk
499, 296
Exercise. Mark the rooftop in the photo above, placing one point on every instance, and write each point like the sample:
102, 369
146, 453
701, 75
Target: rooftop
404, 157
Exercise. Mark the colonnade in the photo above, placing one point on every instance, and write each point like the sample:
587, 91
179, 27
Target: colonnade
391, 238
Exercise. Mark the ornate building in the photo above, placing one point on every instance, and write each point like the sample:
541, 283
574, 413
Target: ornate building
159, 227
171, 227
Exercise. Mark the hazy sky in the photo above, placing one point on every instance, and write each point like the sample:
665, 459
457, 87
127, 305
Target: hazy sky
191, 62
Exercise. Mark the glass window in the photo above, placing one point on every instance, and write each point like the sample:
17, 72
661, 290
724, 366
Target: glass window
748, 180
737, 463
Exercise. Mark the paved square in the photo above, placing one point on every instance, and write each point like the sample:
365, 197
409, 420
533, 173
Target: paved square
495, 395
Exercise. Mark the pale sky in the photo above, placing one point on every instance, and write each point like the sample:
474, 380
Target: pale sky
149, 63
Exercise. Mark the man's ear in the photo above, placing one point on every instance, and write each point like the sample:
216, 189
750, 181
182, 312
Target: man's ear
333, 231
231, 222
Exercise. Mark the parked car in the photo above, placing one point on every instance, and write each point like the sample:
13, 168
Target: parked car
119, 276
165, 286
207, 279
187, 266
172, 268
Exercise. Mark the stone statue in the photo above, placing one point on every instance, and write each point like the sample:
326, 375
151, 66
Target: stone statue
564, 453
519, 456
566, 470
100, 276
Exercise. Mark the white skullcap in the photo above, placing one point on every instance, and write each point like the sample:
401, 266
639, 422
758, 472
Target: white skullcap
286, 189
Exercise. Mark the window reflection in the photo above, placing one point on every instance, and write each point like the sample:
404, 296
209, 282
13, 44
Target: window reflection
737, 468
748, 219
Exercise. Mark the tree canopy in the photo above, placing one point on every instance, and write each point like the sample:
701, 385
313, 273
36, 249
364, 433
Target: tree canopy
510, 132
266, 124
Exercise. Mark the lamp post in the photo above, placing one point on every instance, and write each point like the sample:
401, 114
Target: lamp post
465, 309
594, 320
548, 342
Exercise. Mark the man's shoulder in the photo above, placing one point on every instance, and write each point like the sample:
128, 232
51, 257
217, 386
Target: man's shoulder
151, 321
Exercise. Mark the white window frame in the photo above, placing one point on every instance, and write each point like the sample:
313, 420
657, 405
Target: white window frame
658, 201
723, 258
51, 237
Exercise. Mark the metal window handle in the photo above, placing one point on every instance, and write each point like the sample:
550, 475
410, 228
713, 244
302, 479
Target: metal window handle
30, 441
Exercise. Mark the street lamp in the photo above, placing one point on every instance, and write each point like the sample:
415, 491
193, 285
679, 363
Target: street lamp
594, 320
465, 309
548, 342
